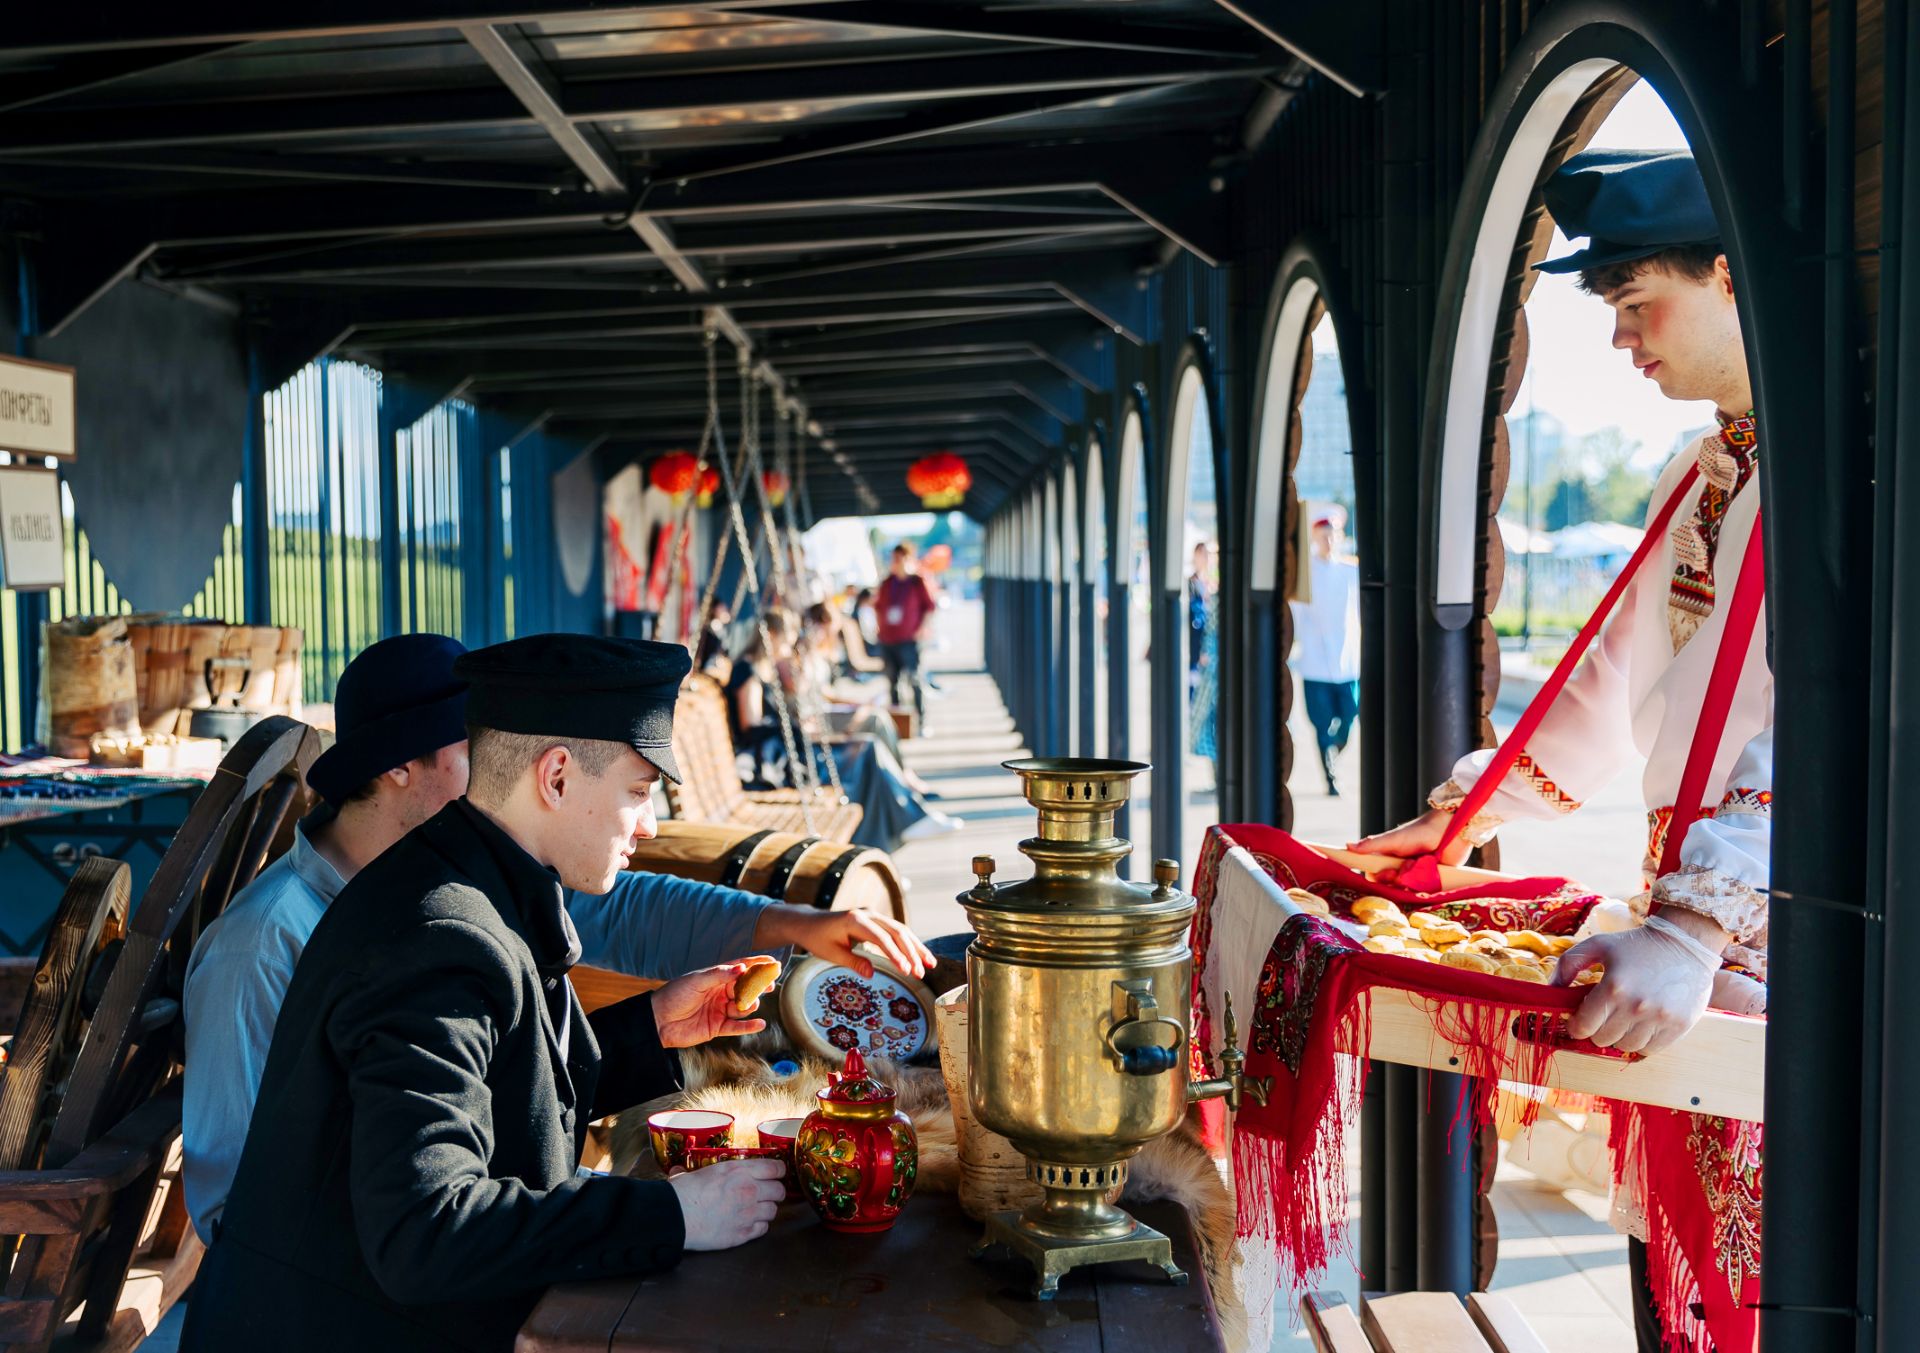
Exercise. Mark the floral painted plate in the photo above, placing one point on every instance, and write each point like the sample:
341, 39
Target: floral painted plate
829, 1010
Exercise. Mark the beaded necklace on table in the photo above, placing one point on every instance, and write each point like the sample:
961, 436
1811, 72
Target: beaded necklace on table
1727, 462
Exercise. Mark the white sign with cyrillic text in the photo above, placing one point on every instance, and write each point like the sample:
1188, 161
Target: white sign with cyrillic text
36, 408
33, 552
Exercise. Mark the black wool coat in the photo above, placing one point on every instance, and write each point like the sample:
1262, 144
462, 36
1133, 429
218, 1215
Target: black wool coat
409, 1179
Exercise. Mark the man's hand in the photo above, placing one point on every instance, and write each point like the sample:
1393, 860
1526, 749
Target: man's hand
699, 1007
1421, 836
729, 1202
1656, 986
832, 934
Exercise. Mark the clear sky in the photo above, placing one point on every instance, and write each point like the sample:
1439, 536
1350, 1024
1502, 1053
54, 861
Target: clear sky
1573, 371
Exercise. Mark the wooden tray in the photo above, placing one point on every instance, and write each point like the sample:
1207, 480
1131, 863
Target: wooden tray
1719, 1066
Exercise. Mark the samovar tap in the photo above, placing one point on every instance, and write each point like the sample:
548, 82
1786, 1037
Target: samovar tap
1233, 1083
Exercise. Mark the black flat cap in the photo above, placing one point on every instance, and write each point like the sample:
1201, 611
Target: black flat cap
1629, 204
580, 686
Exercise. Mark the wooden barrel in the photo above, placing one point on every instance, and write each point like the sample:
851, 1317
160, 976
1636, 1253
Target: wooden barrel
786, 866
90, 684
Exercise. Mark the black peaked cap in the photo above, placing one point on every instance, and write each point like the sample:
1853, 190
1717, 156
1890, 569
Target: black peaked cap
580, 686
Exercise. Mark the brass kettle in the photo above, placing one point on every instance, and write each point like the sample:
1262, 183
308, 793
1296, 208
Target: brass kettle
1079, 990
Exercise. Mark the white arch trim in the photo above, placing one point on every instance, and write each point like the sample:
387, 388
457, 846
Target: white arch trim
1464, 421
1189, 402
1094, 526
1133, 448
1286, 337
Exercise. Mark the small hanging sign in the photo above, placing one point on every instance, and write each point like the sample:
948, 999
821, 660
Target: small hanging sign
36, 408
32, 532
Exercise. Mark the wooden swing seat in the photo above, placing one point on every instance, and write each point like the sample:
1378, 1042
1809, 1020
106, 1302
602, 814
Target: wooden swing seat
712, 792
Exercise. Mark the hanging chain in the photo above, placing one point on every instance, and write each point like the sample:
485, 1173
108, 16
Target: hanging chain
806, 783
683, 515
777, 547
725, 544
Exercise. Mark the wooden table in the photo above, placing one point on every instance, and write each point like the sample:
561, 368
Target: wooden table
804, 1287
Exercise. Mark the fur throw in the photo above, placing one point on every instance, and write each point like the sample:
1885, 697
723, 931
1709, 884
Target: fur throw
1176, 1167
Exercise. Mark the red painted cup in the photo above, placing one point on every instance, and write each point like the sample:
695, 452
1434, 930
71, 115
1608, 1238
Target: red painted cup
675, 1132
781, 1132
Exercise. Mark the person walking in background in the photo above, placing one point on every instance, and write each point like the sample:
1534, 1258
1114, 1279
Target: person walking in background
905, 605
1327, 628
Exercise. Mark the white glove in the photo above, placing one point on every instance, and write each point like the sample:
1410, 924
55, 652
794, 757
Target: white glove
1657, 984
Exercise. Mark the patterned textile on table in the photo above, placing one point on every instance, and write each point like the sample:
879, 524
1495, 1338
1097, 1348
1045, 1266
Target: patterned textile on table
1301, 991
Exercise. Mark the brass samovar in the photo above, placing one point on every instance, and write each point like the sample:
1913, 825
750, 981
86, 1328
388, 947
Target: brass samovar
1079, 988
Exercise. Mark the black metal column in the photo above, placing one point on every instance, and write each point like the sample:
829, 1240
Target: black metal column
1092, 737
1169, 725
1887, 1287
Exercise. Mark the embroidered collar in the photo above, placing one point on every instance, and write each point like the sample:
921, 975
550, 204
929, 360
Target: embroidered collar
1727, 461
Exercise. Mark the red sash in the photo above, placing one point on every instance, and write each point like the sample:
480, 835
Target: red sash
1742, 613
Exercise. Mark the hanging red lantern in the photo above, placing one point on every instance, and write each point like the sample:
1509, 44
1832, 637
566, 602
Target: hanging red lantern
940, 481
674, 474
709, 485
775, 484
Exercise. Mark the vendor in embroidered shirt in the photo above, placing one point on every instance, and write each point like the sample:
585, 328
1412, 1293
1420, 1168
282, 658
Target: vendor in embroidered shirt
1654, 257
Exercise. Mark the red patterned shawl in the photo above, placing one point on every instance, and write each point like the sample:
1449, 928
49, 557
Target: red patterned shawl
1289, 1155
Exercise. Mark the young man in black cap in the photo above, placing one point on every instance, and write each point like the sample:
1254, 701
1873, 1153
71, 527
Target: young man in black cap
409, 1180
1654, 257
399, 758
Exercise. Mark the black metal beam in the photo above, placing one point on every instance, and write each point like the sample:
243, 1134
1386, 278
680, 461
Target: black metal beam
305, 168
887, 180
1025, 26
687, 95
687, 319
607, 243
972, 114
81, 28
1046, 432
1342, 39
83, 73
1057, 396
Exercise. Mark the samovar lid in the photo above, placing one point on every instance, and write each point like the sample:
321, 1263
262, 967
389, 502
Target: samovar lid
854, 1084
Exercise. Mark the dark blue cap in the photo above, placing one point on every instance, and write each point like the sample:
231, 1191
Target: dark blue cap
1629, 204
580, 686
399, 699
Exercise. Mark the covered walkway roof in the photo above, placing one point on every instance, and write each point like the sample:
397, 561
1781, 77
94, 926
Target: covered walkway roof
928, 220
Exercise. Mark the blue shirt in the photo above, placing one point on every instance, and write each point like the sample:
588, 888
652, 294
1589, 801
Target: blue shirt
648, 925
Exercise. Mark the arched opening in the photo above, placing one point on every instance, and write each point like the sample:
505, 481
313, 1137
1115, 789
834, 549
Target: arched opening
1096, 594
1066, 586
1303, 603
1133, 631
1586, 437
1192, 580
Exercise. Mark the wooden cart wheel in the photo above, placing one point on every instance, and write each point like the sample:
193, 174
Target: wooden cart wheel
86, 934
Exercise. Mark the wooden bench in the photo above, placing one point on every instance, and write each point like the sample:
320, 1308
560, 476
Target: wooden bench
1418, 1322
90, 1101
712, 792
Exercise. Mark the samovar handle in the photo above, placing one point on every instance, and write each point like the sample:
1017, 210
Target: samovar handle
1133, 1036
